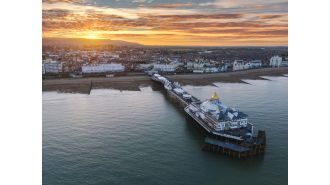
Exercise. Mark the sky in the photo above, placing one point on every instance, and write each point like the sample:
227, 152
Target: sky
171, 23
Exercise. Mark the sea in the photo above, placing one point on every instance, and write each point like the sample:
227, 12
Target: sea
142, 138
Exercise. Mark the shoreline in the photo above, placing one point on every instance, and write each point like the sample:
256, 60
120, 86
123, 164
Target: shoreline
132, 83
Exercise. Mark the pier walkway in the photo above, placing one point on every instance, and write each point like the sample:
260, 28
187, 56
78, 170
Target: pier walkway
238, 142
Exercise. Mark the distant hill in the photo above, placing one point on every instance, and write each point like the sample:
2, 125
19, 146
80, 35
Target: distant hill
83, 42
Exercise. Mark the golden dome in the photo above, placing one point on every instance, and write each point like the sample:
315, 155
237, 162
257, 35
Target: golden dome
215, 96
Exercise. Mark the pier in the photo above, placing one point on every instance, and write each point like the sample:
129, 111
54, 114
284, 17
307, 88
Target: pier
230, 142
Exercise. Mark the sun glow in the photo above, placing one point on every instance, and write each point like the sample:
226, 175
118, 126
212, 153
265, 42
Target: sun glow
168, 24
92, 36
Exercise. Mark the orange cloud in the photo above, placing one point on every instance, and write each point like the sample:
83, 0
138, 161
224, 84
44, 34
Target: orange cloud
172, 27
62, 1
270, 16
174, 5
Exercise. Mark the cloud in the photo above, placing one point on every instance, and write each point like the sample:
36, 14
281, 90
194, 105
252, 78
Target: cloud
55, 13
84, 9
247, 6
245, 3
62, 1
179, 23
142, 1
174, 5
207, 4
270, 16
150, 23
198, 16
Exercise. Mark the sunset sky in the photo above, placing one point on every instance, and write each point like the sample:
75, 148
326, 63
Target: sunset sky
160, 22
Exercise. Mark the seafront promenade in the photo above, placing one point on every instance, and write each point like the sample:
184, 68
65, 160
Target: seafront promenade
84, 85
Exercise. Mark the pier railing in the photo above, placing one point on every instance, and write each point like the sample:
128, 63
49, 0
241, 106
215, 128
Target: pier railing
216, 141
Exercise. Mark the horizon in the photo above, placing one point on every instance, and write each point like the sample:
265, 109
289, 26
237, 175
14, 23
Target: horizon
193, 46
204, 23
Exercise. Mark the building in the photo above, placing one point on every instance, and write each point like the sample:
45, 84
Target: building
190, 65
143, 66
224, 68
110, 54
103, 68
195, 65
255, 64
238, 65
199, 65
165, 67
284, 63
211, 70
198, 71
43, 69
53, 67
275, 61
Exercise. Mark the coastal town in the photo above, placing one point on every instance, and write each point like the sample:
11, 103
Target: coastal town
109, 61
81, 69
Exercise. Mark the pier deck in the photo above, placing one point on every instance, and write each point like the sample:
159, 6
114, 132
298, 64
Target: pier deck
238, 142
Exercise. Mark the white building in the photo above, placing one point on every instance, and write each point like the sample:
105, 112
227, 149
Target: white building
275, 61
199, 65
211, 70
43, 69
284, 63
195, 65
238, 65
224, 68
247, 65
52, 67
177, 63
103, 68
165, 67
190, 65
255, 64
198, 71
143, 66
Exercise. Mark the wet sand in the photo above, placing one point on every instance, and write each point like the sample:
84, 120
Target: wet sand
132, 83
